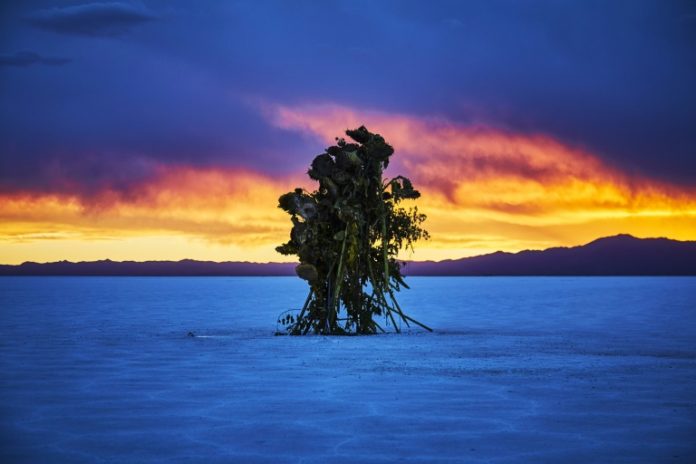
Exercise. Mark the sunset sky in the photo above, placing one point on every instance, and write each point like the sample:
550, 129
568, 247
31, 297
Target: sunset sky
168, 129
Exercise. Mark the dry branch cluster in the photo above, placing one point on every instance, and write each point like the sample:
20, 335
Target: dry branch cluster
347, 235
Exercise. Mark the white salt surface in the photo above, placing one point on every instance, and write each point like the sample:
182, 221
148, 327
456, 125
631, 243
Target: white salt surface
543, 370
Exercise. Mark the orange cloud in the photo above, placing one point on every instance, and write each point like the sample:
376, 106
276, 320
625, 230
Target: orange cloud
181, 212
452, 158
487, 189
483, 190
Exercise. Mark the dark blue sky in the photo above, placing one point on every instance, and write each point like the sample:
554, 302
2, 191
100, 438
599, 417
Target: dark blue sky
96, 94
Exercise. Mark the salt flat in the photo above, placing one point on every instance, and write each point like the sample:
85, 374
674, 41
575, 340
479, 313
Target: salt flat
518, 370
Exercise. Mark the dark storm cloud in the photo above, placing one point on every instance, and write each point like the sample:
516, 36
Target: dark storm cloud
614, 78
91, 19
24, 59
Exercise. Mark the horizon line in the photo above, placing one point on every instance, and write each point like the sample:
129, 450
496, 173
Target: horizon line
623, 235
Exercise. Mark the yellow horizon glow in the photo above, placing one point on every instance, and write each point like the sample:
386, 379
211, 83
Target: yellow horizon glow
484, 190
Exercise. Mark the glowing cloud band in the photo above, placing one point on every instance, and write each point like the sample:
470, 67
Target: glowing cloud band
484, 190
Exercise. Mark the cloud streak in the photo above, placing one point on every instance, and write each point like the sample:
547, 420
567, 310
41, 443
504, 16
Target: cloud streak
219, 213
517, 190
482, 167
92, 19
26, 59
230, 211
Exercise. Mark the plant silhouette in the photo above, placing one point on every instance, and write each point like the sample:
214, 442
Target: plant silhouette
347, 235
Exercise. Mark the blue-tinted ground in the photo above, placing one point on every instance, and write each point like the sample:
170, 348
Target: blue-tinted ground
519, 370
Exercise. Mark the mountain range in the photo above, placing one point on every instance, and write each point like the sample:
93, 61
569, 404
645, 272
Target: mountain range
617, 255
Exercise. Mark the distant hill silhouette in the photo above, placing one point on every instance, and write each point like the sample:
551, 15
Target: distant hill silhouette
617, 255
185, 267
